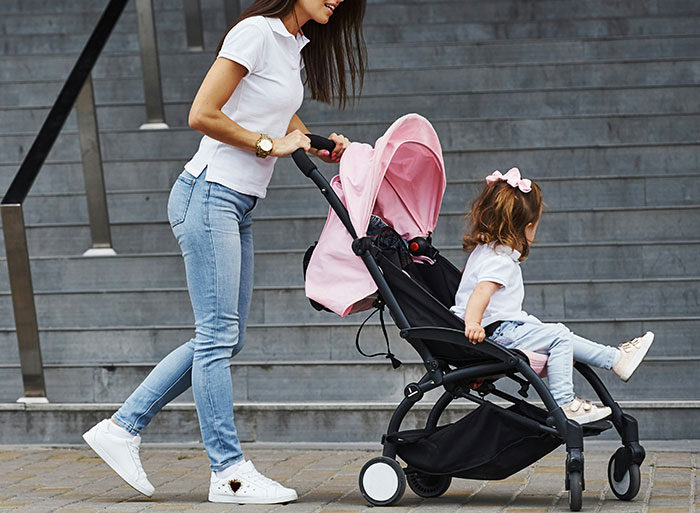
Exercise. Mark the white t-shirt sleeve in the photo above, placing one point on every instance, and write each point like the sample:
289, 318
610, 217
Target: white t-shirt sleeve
244, 44
497, 269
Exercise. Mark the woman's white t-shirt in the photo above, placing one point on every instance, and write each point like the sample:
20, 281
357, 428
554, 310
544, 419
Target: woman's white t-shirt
264, 102
498, 264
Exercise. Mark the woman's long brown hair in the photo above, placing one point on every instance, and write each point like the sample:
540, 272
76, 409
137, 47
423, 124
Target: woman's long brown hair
335, 49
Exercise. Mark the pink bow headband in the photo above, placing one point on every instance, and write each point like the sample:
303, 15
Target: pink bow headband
512, 177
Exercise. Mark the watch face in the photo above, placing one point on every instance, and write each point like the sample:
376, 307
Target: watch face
266, 145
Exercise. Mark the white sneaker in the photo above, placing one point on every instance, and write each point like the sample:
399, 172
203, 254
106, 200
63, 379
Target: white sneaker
585, 412
633, 352
248, 486
122, 454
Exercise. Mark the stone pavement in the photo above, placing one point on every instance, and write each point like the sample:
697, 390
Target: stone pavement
73, 480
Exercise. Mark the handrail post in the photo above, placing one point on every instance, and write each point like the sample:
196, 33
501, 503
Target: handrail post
193, 25
232, 10
150, 67
93, 173
26, 324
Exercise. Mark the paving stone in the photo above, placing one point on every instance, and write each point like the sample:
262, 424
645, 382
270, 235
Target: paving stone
326, 481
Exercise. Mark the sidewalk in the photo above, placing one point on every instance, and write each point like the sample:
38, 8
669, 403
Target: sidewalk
73, 480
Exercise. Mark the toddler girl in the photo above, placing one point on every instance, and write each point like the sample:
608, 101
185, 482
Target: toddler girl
490, 296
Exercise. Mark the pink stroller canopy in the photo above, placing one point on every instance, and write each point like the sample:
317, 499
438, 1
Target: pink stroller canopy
401, 180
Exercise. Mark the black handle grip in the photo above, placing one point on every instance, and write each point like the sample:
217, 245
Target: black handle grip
302, 160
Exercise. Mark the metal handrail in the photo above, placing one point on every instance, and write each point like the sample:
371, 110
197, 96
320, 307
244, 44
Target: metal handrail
78, 87
61, 109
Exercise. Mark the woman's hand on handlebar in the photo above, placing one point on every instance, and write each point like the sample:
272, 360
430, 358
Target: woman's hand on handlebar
341, 144
290, 143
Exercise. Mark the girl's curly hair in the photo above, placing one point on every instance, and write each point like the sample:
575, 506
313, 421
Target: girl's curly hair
500, 214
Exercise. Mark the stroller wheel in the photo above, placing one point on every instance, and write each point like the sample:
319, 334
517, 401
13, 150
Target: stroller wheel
575, 491
382, 481
627, 487
427, 485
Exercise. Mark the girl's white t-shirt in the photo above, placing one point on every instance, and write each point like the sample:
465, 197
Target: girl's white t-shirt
498, 264
264, 102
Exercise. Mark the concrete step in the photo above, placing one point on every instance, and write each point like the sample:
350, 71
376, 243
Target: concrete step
327, 381
299, 422
454, 135
430, 81
510, 105
274, 268
386, 56
577, 194
672, 297
331, 340
670, 224
172, 40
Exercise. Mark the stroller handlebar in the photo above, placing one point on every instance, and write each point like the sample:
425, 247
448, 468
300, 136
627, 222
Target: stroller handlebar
302, 160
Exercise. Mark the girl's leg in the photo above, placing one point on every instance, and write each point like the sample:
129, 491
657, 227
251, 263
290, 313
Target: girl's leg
552, 339
592, 353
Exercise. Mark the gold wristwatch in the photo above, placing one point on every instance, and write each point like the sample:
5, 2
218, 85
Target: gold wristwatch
263, 146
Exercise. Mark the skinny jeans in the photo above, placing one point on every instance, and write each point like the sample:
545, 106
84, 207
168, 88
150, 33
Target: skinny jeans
213, 227
563, 347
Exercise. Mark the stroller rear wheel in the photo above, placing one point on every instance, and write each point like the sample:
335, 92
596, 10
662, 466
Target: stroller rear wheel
627, 487
427, 485
382, 481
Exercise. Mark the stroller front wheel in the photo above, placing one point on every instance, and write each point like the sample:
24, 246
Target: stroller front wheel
382, 481
575, 491
628, 486
427, 485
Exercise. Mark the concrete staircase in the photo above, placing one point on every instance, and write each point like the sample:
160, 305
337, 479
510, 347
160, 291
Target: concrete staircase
598, 101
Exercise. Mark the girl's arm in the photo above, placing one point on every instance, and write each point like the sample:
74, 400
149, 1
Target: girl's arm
206, 115
478, 301
341, 142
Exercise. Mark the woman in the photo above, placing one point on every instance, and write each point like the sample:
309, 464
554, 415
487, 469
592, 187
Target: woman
245, 108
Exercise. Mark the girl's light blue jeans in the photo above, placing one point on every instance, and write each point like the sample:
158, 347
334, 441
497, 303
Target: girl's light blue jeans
562, 346
213, 227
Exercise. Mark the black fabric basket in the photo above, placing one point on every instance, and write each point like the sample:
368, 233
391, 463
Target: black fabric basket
488, 443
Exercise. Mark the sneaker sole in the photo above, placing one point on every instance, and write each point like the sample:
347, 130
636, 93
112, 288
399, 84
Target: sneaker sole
89, 439
638, 359
250, 500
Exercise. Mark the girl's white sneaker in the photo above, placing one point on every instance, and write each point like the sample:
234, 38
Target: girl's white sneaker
121, 454
585, 412
632, 354
246, 485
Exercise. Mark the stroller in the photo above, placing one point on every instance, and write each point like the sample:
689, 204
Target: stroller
401, 180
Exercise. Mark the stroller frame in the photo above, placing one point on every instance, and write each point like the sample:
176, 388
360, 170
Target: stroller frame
383, 480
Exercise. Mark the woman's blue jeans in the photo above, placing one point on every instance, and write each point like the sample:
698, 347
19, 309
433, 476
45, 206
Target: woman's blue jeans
562, 346
213, 226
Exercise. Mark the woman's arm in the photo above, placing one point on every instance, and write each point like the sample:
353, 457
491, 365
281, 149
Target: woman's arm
341, 142
476, 306
206, 115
